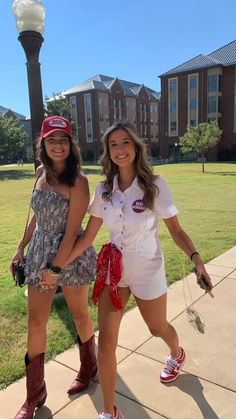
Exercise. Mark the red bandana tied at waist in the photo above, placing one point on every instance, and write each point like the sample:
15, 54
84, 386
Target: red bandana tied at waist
109, 257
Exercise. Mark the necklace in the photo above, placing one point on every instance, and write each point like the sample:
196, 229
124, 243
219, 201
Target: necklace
125, 185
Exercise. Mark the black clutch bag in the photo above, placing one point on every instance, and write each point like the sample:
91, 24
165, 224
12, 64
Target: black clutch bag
18, 274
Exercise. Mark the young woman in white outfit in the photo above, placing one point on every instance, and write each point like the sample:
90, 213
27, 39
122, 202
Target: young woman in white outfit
129, 202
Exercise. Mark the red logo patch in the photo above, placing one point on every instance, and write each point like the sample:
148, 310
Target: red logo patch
138, 206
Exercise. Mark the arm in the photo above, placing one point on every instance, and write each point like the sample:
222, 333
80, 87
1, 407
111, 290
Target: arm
18, 256
184, 242
79, 201
81, 244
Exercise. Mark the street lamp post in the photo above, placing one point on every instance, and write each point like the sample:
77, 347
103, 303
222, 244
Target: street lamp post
176, 152
30, 15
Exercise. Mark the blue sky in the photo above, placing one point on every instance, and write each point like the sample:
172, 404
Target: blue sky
132, 39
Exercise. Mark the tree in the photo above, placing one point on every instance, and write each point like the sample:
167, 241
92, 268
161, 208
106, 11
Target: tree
12, 138
59, 105
200, 138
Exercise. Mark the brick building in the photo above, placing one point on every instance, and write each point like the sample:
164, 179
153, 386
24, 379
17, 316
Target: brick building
200, 90
101, 100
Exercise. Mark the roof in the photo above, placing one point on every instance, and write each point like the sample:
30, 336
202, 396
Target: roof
224, 56
4, 111
104, 83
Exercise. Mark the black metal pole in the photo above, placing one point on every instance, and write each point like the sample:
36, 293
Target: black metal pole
31, 41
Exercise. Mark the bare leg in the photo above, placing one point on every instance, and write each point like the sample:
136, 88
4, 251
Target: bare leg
77, 301
154, 315
39, 306
109, 319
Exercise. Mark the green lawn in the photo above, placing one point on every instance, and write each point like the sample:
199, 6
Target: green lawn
207, 205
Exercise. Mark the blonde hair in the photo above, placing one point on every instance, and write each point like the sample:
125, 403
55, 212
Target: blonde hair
143, 168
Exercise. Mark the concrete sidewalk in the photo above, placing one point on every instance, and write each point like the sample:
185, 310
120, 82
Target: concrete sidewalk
206, 388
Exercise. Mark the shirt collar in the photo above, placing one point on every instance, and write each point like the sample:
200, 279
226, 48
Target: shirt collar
116, 185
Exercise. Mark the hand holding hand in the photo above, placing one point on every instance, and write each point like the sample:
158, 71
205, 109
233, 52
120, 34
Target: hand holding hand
47, 279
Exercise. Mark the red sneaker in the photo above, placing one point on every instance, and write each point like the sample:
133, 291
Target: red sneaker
104, 415
172, 369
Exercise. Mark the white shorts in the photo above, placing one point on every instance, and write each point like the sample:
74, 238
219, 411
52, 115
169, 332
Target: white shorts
146, 279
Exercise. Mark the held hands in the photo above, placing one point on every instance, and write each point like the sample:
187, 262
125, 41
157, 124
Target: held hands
47, 279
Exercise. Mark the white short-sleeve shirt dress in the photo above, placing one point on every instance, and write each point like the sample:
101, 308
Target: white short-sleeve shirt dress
133, 229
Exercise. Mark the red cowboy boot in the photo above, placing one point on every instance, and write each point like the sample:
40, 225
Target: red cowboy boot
35, 386
88, 366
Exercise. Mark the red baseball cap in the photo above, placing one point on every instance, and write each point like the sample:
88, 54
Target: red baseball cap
56, 123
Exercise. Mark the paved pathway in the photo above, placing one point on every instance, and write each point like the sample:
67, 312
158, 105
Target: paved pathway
206, 387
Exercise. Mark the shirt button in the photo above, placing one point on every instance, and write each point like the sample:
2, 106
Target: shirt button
121, 202
122, 232
121, 247
105, 208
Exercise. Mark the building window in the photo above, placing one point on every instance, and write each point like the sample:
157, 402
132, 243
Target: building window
212, 83
173, 126
193, 83
193, 104
212, 104
173, 106
193, 122
235, 101
88, 117
172, 86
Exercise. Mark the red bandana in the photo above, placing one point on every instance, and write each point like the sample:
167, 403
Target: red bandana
109, 257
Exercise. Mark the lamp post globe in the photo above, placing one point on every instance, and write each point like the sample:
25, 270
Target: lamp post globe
30, 15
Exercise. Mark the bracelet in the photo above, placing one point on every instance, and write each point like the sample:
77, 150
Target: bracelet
53, 269
194, 253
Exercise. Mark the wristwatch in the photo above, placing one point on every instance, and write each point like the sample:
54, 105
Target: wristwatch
55, 269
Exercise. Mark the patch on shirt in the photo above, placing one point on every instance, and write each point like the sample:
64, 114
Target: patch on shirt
138, 206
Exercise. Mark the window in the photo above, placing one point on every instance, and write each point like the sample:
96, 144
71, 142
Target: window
193, 104
173, 106
88, 117
193, 83
173, 126
234, 100
212, 83
172, 86
193, 122
212, 104
219, 82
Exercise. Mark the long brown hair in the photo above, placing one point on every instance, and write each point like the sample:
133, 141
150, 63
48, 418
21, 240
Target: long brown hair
143, 168
73, 164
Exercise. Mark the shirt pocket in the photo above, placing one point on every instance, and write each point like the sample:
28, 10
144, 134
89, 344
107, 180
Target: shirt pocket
110, 215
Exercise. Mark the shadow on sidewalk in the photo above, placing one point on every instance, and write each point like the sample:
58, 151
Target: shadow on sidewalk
43, 413
129, 407
191, 385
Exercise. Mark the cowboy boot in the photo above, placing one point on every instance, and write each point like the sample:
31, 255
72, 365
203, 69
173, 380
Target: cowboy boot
88, 366
35, 386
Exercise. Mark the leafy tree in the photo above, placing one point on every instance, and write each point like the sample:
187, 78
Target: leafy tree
12, 138
59, 105
200, 138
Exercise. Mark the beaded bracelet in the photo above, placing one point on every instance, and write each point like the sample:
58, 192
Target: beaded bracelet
194, 253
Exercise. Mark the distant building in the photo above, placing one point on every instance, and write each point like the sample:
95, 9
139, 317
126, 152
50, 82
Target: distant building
101, 100
201, 90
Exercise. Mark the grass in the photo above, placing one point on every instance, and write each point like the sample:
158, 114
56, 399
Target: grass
207, 205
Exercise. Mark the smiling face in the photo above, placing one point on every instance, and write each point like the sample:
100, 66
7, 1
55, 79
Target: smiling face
121, 148
57, 146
